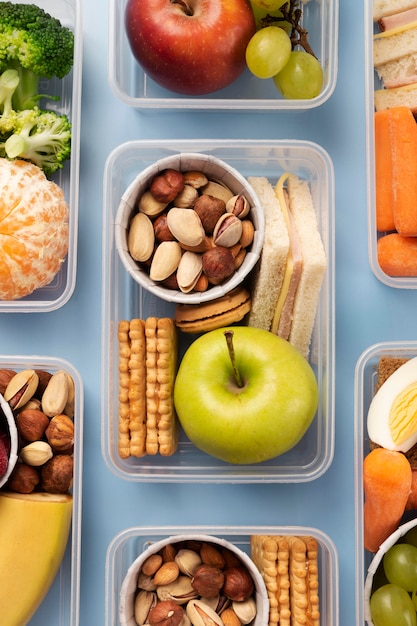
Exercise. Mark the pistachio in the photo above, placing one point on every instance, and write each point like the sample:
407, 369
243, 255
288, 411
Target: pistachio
21, 388
245, 610
144, 602
69, 406
187, 198
227, 231
218, 190
146, 582
186, 226
189, 271
150, 206
187, 561
181, 590
55, 396
165, 260
141, 237
201, 614
238, 205
195, 179
36, 453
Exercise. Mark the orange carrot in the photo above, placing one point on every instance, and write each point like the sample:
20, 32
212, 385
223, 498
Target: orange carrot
403, 136
412, 498
387, 485
383, 172
397, 255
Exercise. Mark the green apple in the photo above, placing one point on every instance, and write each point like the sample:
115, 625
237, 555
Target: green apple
244, 395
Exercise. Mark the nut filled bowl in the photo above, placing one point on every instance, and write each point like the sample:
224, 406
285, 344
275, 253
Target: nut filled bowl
186, 260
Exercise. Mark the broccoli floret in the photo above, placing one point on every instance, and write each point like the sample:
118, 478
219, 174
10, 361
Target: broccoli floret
42, 137
36, 45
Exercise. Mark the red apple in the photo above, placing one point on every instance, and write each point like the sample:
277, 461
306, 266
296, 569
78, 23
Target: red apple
191, 47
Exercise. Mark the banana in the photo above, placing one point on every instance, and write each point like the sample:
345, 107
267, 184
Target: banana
34, 530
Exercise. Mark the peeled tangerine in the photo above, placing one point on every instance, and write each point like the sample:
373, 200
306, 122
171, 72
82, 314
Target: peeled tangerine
34, 530
33, 229
392, 415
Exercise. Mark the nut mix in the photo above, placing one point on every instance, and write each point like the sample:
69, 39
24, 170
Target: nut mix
194, 582
43, 407
190, 232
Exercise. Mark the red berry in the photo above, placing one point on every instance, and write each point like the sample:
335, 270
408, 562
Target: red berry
4, 457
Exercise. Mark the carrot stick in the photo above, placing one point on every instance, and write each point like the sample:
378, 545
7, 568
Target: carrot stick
397, 255
383, 172
387, 485
403, 135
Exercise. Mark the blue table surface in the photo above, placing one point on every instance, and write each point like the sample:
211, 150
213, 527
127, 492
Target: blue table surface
367, 312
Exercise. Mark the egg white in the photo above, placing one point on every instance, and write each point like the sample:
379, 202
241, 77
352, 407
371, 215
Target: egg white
379, 409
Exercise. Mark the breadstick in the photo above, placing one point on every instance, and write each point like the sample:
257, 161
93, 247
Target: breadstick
137, 388
152, 391
124, 376
166, 369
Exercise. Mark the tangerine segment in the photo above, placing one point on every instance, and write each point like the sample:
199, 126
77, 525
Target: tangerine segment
34, 229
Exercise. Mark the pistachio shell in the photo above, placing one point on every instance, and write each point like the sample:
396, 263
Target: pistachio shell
186, 226
227, 231
195, 179
201, 614
147, 204
238, 205
181, 590
189, 270
165, 260
141, 238
187, 560
245, 610
218, 190
21, 388
144, 602
186, 198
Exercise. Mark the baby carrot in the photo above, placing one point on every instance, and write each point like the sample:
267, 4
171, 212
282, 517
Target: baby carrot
383, 172
387, 485
397, 255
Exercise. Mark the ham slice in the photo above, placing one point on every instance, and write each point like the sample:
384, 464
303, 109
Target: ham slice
398, 19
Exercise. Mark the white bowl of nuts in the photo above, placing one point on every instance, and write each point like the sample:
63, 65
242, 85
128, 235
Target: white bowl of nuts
189, 228
195, 580
8, 441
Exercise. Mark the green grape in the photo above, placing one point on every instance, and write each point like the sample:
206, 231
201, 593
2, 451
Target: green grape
414, 598
392, 606
400, 565
268, 51
301, 78
411, 536
267, 5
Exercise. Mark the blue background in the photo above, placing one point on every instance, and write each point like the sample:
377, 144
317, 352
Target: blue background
366, 312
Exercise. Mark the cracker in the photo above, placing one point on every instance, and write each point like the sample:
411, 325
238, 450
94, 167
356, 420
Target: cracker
124, 380
137, 388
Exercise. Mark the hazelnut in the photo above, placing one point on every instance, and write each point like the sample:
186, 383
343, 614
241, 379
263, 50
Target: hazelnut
57, 473
44, 378
5, 377
31, 424
60, 433
238, 583
167, 185
24, 478
166, 613
207, 580
162, 232
218, 264
209, 209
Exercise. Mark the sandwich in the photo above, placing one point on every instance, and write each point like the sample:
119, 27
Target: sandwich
288, 278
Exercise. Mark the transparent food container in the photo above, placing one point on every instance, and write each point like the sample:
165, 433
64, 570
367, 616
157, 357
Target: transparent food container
59, 291
372, 82
61, 605
131, 85
130, 543
365, 381
124, 299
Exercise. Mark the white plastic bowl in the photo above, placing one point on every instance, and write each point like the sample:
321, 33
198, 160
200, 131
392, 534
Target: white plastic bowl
215, 169
11, 425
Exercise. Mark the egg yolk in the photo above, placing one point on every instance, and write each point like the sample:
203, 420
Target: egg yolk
403, 414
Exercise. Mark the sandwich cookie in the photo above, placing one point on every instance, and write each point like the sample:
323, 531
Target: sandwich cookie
223, 311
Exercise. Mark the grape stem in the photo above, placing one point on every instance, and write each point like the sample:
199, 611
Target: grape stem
292, 14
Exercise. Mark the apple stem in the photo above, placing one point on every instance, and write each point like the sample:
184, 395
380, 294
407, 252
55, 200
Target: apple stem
229, 340
185, 6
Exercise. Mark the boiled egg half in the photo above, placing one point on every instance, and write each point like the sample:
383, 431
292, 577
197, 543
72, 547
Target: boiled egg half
392, 415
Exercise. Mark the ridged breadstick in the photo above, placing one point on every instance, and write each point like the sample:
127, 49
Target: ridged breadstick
137, 388
124, 376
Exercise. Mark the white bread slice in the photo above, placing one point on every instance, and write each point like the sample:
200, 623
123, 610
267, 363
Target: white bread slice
381, 8
400, 72
269, 273
400, 96
394, 44
314, 264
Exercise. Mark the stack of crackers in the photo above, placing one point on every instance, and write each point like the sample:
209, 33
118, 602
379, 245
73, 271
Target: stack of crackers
289, 566
148, 354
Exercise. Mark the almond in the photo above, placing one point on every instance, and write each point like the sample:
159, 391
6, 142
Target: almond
211, 556
166, 574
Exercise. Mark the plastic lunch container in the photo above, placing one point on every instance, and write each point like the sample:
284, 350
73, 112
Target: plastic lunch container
365, 380
61, 605
126, 547
59, 291
123, 299
372, 82
131, 85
